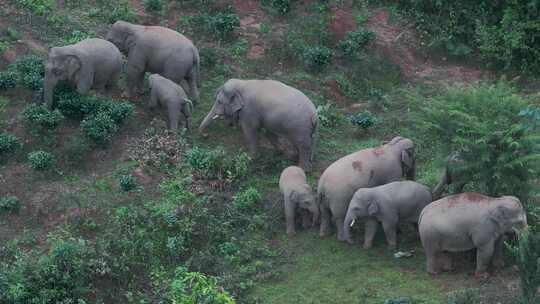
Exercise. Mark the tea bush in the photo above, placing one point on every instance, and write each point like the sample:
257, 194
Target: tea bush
328, 115
127, 182
247, 200
222, 25
99, 128
316, 57
40, 160
9, 143
8, 80
355, 42
9, 204
527, 255
30, 71
218, 164
39, 117
364, 119
484, 125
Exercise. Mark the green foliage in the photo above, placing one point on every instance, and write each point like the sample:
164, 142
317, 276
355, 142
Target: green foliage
194, 287
527, 255
218, 164
78, 36
504, 32
59, 276
398, 301
279, 6
99, 128
355, 42
30, 70
484, 124
328, 115
38, 116
39, 7
127, 182
247, 200
9, 204
153, 5
316, 57
8, 80
119, 10
9, 143
222, 25
364, 119
41, 160
464, 296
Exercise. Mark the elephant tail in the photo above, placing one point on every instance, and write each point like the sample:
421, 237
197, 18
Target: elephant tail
197, 67
314, 133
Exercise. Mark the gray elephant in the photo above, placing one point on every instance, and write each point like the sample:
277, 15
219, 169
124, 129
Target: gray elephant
169, 95
91, 63
390, 204
363, 169
278, 108
455, 173
297, 196
466, 221
156, 49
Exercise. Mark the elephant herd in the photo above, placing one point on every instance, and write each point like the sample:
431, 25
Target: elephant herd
366, 184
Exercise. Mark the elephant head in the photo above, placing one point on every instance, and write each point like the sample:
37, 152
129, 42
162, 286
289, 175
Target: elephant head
363, 204
66, 64
404, 148
228, 101
507, 216
122, 34
456, 172
306, 200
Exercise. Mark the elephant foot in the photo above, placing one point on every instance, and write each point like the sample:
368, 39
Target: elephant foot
367, 246
433, 272
498, 263
392, 247
323, 233
291, 234
481, 275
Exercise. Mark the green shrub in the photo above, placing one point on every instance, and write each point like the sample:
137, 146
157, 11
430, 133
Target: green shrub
484, 125
9, 204
99, 128
464, 296
355, 41
153, 5
40, 117
280, 6
8, 80
222, 25
39, 7
398, 301
118, 11
316, 57
364, 119
193, 287
9, 143
118, 111
247, 200
328, 115
527, 255
40, 160
30, 70
78, 36
127, 182
218, 164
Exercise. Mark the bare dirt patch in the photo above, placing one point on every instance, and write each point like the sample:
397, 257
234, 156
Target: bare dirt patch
342, 23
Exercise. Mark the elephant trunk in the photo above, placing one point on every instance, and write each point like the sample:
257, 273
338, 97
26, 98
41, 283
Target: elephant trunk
411, 173
289, 218
316, 213
347, 224
437, 192
207, 120
49, 84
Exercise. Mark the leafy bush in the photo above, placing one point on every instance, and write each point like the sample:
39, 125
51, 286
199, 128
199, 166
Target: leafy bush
30, 71
328, 115
40, 7
153, 5
484, 124
8, 79
355, 41
193, 287
99, 128
119, 10
127, 182
316, 57
247, 200
40, 160
218, 164
9, 143
9, 204
398, 301
38, 115
464, 296
78, 36
364, 119
280, 6
527, 255
222, 25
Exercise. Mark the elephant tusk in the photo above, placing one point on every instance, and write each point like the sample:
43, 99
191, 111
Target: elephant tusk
215, 117
352, 223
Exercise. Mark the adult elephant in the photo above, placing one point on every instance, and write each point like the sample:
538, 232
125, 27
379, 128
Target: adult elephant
278, 108
363, 169
466, 221
91, 63
157, 50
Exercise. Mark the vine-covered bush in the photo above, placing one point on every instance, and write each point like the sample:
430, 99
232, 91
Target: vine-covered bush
222, 25
355, 41
41, 160
9, 143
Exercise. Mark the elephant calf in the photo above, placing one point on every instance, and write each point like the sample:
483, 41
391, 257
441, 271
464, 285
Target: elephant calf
297, 196
91, 63
390, 204
172, 97
466, 221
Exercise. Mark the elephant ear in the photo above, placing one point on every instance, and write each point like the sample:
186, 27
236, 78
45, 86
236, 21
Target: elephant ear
80, 71
294, 196
235, 104
407, 159
373, 208
500, 216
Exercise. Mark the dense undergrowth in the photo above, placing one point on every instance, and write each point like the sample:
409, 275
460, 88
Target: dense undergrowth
209, 228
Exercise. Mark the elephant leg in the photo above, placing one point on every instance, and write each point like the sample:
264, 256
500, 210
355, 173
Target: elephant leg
446, 261
306, 219
339, 224
112, 84
304, 154
484, 254
432, 260
498, 259
135, 77
325, 221
390, 231
173, 120
251, 137
369, 233
193, 89
273, 139
290, 209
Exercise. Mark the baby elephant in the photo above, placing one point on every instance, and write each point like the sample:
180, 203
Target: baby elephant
172, 97
390, 204
297, 195
466, 221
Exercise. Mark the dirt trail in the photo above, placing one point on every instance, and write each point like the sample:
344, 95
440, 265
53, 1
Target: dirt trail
401, 46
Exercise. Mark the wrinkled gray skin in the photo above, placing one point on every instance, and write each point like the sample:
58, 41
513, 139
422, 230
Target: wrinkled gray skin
466, 221
91, 63
158, 50
297, 196
363, 169
281, 110
454, 173
390, 204
170, 96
